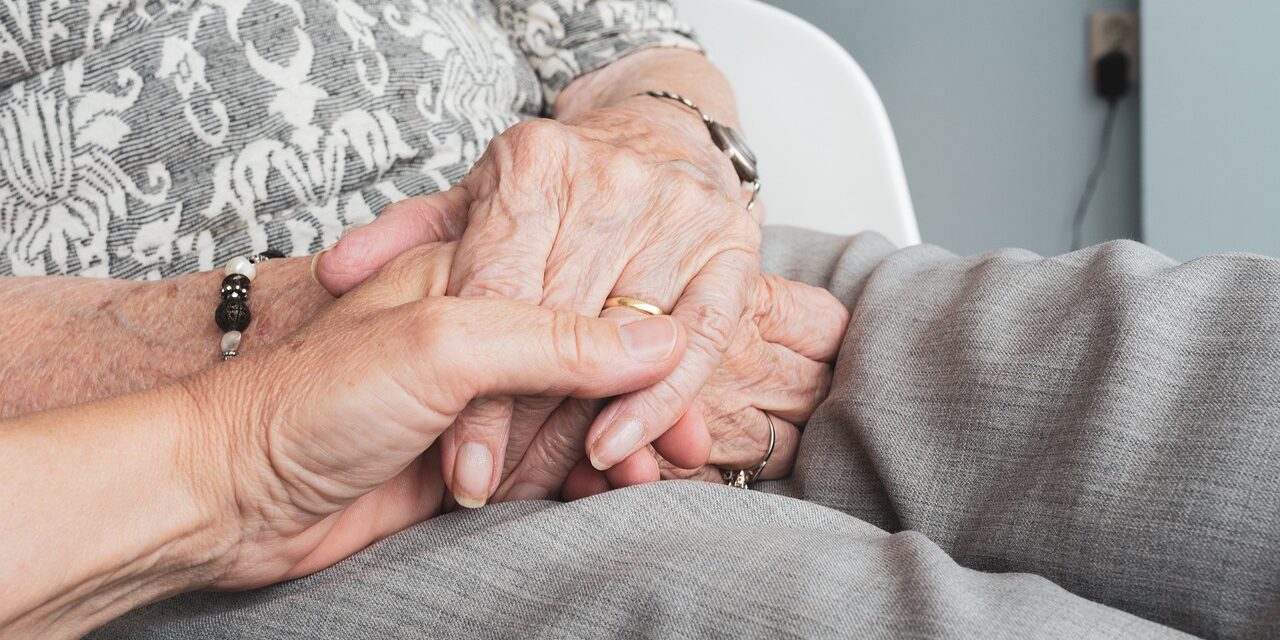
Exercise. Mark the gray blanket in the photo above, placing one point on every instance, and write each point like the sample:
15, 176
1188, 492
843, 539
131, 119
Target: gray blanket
1014, 446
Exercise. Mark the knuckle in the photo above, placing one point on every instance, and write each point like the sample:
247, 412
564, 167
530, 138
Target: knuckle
423, 347
757, 367
506, 275
670, 397
572, 341
483, 417
536, 406
621, 164
766, 300
821, 389
748, 437
694, 191
746, 340
565, 440
674, 194
427, 328
561, 443
482, 177
797, 377
536, 132
737, 441
528, 158
494, 285
535, 141
712, 324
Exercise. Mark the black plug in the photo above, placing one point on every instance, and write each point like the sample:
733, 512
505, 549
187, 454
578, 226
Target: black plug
1111, 75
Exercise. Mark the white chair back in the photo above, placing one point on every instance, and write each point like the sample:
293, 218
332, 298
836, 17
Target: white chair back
828, 158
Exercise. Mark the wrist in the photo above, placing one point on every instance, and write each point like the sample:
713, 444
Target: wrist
284, 297
91, 339
176, 316
226, 456
229, 404
210, 453
162, 506
118, 510
664, 131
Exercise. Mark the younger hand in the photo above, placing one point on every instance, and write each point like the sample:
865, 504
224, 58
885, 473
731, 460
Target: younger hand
326, 434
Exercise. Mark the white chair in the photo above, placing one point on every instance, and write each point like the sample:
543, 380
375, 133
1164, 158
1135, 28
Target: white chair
828, 158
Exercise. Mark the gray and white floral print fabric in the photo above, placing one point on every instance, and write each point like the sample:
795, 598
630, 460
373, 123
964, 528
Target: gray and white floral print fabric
149, 138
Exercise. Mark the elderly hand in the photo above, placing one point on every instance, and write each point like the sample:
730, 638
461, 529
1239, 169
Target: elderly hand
779, 364
326, 434
630, 200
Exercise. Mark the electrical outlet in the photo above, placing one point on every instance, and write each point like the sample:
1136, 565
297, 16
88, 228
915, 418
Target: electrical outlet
1111, 30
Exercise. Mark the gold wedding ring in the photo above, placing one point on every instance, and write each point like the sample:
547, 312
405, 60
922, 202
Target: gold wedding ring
646, 308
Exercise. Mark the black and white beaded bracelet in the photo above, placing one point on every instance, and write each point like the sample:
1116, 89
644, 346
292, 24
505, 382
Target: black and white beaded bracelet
233, 314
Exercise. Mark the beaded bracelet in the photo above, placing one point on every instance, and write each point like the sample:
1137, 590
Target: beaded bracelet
233, 314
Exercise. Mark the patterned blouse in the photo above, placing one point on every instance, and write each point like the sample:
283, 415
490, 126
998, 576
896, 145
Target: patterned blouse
149, 138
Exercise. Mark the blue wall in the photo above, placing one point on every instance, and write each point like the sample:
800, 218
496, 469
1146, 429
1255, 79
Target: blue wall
992, 106
1211, 127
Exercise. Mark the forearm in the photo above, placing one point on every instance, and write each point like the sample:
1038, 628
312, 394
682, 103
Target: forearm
107, 506
71, 340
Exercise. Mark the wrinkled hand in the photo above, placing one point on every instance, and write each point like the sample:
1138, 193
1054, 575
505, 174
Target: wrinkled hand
326, 433
779, 364
631, 200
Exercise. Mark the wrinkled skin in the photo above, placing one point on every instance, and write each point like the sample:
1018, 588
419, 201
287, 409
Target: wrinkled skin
340, 452
779, 363
615, 202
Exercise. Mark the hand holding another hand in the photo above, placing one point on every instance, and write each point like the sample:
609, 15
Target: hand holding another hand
632, 200
779, 364
335, 455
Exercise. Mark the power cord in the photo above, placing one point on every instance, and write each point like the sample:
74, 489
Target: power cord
1104, 145
1111, 81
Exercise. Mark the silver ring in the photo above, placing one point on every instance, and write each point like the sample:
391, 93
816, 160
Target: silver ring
742, 478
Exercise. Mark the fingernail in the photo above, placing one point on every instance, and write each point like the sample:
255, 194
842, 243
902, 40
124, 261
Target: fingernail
527, 491
649, 340
315, 261
616, 443
472, 473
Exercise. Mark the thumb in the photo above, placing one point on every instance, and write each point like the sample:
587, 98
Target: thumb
403, 225
493, 347
369, 394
